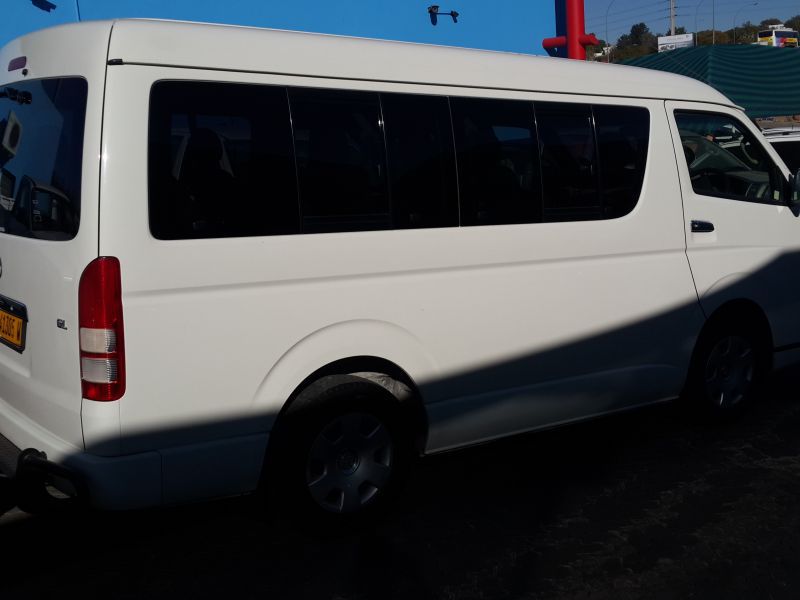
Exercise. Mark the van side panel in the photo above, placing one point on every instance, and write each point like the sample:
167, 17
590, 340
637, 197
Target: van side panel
494, 323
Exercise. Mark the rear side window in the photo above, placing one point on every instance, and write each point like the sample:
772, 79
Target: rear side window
41, 150
220, 161
569, 162
623, 133
419, 143
341, 160
498, 166
252, 160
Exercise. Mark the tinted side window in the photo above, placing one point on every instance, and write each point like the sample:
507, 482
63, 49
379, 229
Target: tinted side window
725, 160
220, 161
623, 134
569, 162
41, 151
341, 160
498, 166
422, 170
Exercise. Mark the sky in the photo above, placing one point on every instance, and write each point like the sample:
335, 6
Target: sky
510, 25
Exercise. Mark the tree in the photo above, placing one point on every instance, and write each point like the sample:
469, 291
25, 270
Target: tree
636, 43
705, 38
767, 22
678, 31
596, 52
746, 33
794, 23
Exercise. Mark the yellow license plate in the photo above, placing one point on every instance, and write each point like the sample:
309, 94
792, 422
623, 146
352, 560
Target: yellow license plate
11, 328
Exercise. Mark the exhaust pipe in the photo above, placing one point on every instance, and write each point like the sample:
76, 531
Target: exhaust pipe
40, 485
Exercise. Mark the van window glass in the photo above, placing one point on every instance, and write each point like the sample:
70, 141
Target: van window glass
498, 166
623, 134
725, 160
569, 162
41, 151
341, 160
422, 170
220, 161
789, 151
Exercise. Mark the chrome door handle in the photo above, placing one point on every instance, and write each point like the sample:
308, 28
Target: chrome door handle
702, 227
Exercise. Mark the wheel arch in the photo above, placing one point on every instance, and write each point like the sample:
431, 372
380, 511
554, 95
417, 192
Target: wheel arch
376, 370
380, 352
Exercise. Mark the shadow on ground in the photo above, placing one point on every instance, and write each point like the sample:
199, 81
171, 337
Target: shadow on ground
638, 506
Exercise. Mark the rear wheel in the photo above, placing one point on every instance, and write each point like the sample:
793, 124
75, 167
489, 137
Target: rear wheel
340, 455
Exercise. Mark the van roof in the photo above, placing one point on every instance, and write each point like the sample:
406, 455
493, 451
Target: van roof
259, 50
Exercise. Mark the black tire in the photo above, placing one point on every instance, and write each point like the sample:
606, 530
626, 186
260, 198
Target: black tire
339, 455
729, 364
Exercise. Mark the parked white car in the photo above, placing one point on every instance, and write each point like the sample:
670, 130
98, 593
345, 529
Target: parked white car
786, 141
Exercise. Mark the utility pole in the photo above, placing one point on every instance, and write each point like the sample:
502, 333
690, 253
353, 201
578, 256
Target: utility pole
672, 17
713, 23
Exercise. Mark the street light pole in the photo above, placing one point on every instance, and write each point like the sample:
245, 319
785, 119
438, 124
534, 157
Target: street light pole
608, 44
713, 23
695, 22
736, 14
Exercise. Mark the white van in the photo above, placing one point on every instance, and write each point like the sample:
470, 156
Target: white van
233, 256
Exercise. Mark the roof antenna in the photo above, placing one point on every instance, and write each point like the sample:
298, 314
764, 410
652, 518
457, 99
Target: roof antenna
434, 13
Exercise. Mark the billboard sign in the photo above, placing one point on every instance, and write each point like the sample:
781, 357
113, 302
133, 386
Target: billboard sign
672, 42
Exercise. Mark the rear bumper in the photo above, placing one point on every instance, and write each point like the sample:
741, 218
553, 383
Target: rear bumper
120, 482
175, 475
117, 483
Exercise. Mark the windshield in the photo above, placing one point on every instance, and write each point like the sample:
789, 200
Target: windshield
41, 147
786, 34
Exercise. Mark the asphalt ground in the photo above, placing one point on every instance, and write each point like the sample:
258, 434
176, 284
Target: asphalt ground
644, 505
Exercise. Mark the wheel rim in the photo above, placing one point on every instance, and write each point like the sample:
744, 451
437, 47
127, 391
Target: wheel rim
350, 463
729, 371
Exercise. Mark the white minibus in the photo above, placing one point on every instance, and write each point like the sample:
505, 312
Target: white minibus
238, 259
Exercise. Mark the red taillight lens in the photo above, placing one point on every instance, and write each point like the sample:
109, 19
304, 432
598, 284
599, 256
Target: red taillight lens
101, 330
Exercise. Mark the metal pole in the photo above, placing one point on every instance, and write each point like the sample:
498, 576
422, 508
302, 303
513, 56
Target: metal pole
695, 22
736, 15
608, 44
672, 17
713, 23
78, 10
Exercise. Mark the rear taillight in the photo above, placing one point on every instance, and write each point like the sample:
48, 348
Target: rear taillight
101, 330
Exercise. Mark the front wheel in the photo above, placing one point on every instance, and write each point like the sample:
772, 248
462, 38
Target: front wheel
728, 366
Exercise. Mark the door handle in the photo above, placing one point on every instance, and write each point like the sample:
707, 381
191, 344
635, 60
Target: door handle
702, 227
